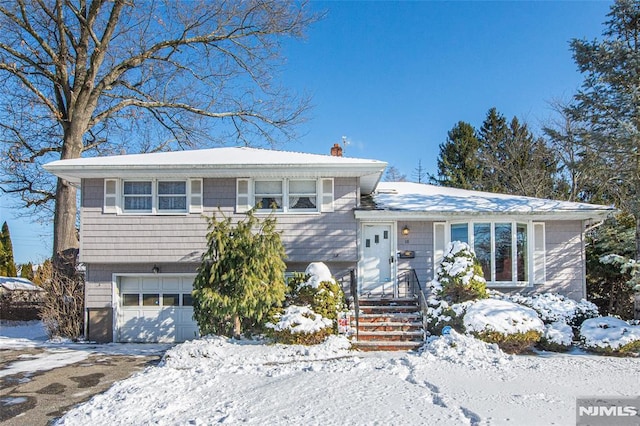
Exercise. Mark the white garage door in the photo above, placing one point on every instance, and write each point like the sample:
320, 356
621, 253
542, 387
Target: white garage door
155, 309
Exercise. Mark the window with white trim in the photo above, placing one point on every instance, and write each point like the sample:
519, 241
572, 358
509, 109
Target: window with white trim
510, 252
152, 196
284, 195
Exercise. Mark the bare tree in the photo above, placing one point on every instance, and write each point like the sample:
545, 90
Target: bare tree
394, 175
95, 77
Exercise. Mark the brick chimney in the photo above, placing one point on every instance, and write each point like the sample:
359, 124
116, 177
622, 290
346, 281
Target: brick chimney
336, 150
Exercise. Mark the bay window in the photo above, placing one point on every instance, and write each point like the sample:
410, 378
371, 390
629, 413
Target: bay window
511, 253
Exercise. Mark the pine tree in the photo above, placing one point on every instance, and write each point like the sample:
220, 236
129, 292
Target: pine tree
458, 164
26, 271
608, 105
241, 277
513, 160
7, 264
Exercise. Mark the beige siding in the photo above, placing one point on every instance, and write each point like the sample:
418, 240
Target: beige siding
565, 259
179, 238
419, 240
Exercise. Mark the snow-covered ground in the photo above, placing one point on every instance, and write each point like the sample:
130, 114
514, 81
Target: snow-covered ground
454, 380
31, 334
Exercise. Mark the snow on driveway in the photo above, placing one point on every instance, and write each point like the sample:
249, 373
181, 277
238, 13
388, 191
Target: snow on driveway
55, 354
454, 380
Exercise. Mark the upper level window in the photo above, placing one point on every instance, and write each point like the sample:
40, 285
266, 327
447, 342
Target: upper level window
138, 196
303, 195
172, 195
285, 195
268, 194
152, 196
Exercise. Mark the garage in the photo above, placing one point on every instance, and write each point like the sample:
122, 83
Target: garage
155, 308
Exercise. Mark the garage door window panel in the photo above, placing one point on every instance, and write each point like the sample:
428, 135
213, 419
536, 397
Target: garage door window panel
130, 299
150, 299
170, 300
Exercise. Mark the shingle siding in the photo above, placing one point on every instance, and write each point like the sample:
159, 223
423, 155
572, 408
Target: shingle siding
174, 238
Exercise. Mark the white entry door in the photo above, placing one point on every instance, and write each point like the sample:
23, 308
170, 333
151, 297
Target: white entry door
376, 270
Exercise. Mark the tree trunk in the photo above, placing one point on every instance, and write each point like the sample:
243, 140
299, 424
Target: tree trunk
65, 235
237, 327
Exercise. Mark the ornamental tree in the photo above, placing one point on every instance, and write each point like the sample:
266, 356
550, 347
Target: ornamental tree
241, 277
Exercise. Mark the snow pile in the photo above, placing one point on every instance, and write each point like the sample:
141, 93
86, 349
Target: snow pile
559, 333
464, 350
458, 263
319, 272
300, 319
553, 307
608, 332
501, 316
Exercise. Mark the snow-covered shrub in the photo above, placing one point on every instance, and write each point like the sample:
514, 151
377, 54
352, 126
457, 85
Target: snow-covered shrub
317, 291
300, 325
460, 274
610, 335
553, 307
515, 328
557, 337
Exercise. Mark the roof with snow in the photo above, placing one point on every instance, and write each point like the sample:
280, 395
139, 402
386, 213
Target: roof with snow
221, 162
18, 284
407, 199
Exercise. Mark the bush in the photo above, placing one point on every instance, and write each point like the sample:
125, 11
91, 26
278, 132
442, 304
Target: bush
312, 296
460, 275
557, 337
611, 336
513, 343
300, 325
553, 307
514, 328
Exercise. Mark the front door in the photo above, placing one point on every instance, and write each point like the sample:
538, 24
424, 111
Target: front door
377, 261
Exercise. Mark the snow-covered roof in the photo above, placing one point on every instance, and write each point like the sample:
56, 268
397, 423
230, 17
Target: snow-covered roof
15, 283
407, 199
221, 162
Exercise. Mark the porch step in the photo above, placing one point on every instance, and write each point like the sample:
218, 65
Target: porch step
387, 345
388, 324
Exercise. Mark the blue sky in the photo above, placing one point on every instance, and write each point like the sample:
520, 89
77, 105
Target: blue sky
394, 77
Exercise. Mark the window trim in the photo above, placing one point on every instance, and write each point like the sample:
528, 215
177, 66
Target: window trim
246, 196
535, 262
193, 197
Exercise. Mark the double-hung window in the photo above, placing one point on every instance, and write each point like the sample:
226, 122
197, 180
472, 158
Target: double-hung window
285, 195
152, 196
138, 196
172, 196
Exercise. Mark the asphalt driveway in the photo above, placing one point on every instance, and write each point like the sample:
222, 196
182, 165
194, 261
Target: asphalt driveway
37, 397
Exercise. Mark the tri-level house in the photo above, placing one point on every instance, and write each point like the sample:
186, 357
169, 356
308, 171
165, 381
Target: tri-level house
143, 230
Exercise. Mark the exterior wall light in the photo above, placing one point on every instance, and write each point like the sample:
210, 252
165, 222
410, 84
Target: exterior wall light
155, 269
405, 230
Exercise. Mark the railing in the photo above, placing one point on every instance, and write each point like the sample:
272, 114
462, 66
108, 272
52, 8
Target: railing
349, 284
409, 283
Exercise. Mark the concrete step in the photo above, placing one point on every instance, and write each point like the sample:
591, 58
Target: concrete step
386, 346
394, 336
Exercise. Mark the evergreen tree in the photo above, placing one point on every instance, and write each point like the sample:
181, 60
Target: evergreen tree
608, 105
458, 164
607, 286
492, 136
26, 271
241, 277
513, 160
7, 264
